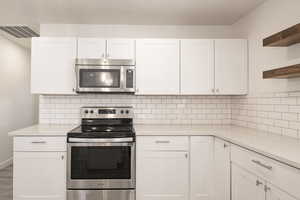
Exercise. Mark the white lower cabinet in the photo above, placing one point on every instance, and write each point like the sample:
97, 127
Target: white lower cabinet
273, 193
246, 186
174, 168
221, 174
161, 174
201, 168
277, 181
39, 174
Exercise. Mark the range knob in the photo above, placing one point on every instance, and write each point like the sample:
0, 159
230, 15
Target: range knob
127, 111
122, 111
91, 111
86, 111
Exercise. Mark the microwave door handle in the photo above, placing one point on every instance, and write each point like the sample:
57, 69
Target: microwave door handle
123, 78
76, 71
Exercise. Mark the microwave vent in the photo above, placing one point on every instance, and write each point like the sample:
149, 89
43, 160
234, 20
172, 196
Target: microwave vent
19, 31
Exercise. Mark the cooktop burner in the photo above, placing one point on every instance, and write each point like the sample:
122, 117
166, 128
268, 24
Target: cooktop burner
101, 132
104, 122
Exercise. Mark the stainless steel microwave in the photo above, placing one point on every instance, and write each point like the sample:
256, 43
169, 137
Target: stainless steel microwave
105, 75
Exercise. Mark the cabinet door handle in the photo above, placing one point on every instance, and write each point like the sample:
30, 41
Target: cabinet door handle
162, 142
262, 165
186, 155
38, 142
267, 188
225, 145
62, 157
258, 183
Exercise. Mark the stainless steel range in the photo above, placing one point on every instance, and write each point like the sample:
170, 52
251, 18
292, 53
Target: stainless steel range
101, 155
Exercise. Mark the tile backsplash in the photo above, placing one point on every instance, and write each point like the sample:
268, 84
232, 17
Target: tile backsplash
147, 109
274, 113
277, 113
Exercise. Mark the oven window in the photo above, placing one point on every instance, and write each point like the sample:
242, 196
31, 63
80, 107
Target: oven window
112, 162
99, 78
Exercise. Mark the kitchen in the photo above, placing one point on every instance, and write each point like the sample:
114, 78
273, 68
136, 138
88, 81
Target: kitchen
172, 108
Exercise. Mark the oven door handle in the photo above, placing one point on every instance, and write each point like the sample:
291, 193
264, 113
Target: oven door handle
102, 140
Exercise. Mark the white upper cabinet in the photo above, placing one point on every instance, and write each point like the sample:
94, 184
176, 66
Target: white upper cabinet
197, 67
221, 170
163, 66
99, 48
231, 66
91, 48
121, 49
53, 65
157, 66
201, 165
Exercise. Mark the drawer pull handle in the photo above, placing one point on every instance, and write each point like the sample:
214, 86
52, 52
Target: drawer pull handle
262, 165
39, 142
162, 142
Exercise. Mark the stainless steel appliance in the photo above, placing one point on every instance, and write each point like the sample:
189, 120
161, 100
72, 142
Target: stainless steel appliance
105, 75
101, 155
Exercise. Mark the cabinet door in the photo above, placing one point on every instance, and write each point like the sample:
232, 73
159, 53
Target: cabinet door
91, 48
157, 66
197, 67
274, 193
246, 186
201, 186
231, 66
39, 175
121, 49
222, 170
162, 175
53, 65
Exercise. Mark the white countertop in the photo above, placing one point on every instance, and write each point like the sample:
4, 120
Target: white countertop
281, 148
44, 130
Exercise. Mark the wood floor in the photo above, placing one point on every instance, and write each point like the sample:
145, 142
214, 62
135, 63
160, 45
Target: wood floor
6, 183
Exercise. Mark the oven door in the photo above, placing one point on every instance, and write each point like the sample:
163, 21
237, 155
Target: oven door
105, 78
101, 165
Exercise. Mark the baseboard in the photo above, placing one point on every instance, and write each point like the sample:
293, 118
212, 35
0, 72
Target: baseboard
6, 163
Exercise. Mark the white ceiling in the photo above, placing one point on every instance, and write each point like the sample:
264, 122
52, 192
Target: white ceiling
146, 12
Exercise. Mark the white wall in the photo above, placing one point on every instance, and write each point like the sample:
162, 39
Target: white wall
269, 18
136, 31
272, 105
18, 108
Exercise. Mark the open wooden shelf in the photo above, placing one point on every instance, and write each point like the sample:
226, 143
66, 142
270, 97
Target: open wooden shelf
292, 71
284, 38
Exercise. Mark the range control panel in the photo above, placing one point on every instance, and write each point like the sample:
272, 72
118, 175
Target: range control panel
106, 112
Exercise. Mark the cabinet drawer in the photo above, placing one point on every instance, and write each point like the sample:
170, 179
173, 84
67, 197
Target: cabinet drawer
283, 176
40, 144
156, 143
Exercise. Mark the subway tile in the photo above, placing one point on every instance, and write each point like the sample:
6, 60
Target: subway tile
290, 132
294, 109
290, 116
276, 113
